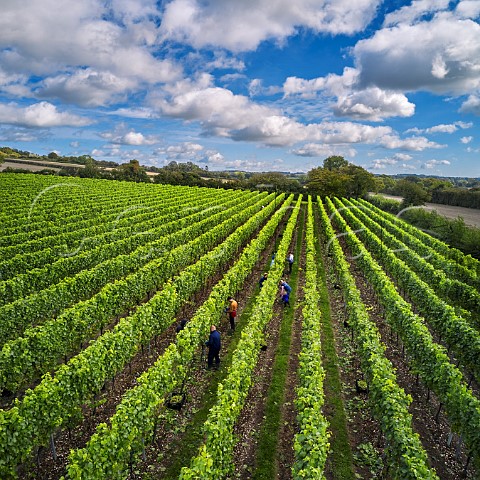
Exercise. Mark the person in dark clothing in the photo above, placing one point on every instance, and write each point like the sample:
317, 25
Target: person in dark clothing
286, 286
214, 344
181, 326
262, 279
286, 299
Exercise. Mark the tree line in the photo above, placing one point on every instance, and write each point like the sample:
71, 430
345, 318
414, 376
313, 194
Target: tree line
418, 190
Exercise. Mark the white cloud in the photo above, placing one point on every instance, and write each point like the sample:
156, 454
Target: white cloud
222, 113
303, 88
415, 11
468, 9
256, 88
242, 26
323, 150
416, 144
404, 157
371, 104
383, 163
87, 88
43, 115
433, 163
122, 135
439, 53
97, 46
184, 151
442, 128
191, 152
471, 105
374, 104
224, 62
473, 150
466, 140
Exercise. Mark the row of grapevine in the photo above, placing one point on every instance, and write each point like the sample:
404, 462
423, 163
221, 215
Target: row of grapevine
47, 201
427, 358
406, 456
463, 339
214, 460
56, 401
98, 204
311, 442
125, 241
116, 207
41, 347
454, 254
41, 193
449, 288
86, 238
47, 303
112, 448
47, 257
421, 247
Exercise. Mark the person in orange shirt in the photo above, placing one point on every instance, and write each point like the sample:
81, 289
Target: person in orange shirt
232, 312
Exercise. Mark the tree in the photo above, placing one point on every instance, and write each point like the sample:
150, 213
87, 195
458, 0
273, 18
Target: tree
325, 182
360, 181
343, 180
413, 193
131, 172
334, 162
273, 181
90, 170
53, 156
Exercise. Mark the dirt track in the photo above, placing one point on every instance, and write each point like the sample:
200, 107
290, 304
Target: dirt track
470, 215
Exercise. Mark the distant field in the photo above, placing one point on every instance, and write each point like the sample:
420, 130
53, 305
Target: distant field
470, 215
25, 166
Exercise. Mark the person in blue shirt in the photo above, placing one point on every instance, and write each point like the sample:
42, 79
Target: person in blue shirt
286, 286
214, 344
262, 279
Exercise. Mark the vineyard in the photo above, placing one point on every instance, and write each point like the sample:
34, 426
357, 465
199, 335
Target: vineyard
373, 371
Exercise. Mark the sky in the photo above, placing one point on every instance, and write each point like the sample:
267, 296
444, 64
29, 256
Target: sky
255, 85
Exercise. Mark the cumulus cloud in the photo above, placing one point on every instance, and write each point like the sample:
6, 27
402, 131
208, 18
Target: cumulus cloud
380, 164
416, 144
433, 163
256, 88
122, 135
374, 104
471, 105
322, 150
415, 11
87, 88
242, 26
191, 152
43, 115
404, 157
222, 113
442, 128
95, 47
302, 87
395, 160
466, 140
423, 47
370, 104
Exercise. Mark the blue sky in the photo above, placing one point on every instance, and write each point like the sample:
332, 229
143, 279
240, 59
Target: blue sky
256, 85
